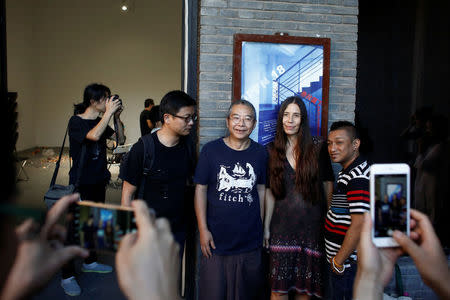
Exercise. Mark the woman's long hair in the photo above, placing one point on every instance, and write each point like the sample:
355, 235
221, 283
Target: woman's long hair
305, 155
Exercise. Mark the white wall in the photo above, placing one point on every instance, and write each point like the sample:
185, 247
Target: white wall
20, 65
65, 45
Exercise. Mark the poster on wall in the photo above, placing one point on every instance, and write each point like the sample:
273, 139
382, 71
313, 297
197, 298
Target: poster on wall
267, 69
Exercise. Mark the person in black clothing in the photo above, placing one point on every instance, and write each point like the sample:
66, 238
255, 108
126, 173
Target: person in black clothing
155, 118
145, 119
165, 186
89, 230
89, 128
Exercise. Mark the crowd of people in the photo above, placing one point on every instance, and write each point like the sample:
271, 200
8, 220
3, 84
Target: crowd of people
283, 198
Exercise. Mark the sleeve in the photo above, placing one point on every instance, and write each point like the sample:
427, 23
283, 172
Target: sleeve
325, 169
132, 171
77, 129
358, 196
202, 170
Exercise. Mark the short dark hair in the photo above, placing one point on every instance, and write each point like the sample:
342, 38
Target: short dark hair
348, 126
242, 102
173, 101
149, 102
94, 91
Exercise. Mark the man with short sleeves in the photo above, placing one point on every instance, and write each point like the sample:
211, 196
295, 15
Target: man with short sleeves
145, 118
173, 164
229, 196
345, 215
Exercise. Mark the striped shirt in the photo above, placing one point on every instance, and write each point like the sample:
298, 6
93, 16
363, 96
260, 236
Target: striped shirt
351, 196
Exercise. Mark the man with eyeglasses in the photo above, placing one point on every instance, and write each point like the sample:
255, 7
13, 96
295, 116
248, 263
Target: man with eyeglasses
229, 200
172, 167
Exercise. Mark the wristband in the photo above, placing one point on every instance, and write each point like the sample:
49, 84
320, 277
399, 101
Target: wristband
337, 267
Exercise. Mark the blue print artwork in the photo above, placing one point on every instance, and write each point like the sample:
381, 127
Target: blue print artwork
271, 73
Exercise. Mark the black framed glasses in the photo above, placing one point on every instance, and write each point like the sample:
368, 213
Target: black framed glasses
187, 119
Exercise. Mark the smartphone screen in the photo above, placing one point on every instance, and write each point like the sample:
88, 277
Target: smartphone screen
391, 205
98, 227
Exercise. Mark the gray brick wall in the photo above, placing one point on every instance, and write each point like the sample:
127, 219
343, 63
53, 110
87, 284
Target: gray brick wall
220, 19
412, 282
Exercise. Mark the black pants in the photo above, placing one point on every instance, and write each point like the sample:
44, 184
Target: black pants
88, 192
231, 277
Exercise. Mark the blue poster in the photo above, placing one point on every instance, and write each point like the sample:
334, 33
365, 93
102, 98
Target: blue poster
273, 72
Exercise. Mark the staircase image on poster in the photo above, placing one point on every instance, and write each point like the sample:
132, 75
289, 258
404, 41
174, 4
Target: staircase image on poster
302, 79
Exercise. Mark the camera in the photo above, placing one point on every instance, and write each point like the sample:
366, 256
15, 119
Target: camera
117, 97
389, 202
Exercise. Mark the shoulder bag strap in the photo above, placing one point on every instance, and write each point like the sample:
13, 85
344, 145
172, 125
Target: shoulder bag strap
55, 173
147, 162
80, 169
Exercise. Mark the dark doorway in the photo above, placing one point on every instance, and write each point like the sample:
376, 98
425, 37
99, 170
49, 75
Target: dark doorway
402, 66
403, 69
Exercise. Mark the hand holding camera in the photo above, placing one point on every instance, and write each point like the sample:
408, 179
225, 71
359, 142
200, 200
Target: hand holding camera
114, 105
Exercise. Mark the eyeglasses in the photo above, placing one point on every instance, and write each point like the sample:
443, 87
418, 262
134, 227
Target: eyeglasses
187, 119
236, 119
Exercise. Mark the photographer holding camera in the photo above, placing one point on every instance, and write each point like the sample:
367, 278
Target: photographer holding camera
89, 128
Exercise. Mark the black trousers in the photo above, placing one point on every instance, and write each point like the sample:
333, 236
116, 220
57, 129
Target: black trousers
88, 192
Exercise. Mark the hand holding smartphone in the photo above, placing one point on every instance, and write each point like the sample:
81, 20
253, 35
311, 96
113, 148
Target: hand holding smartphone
389, 202
98, 226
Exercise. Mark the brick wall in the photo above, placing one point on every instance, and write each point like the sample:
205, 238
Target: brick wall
412, 282
220, 19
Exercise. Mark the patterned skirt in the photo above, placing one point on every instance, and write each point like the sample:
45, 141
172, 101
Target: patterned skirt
296, 265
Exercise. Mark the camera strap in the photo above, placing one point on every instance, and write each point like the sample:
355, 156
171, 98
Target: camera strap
58, 162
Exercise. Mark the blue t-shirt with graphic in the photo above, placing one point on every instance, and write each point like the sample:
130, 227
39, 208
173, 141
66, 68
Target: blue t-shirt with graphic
233, 206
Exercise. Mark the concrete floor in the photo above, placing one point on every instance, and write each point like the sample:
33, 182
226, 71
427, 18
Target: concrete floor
39, 168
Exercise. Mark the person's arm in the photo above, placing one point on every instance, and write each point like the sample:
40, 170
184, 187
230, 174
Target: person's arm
261, 188
95, 133
328, 191
427, 254
128, 191
147, 261
200, 203
40, 253
358, 203
269, 205
375, 265
326, 172
351, 239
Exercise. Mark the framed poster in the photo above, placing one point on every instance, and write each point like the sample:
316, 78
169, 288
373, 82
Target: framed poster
267, 69
394, 189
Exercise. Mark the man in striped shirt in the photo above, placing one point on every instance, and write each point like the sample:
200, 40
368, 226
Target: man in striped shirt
345, 215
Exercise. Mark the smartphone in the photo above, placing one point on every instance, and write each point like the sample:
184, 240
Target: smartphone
98, 226
389, 202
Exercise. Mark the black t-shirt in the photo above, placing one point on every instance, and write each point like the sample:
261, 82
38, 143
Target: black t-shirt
154, 115
165, 186
145, 115
95, 169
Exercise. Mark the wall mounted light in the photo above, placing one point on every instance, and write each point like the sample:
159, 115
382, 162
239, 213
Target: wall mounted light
126, 5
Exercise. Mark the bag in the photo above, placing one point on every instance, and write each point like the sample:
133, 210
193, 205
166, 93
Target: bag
57, 191
149, 159
400, 294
